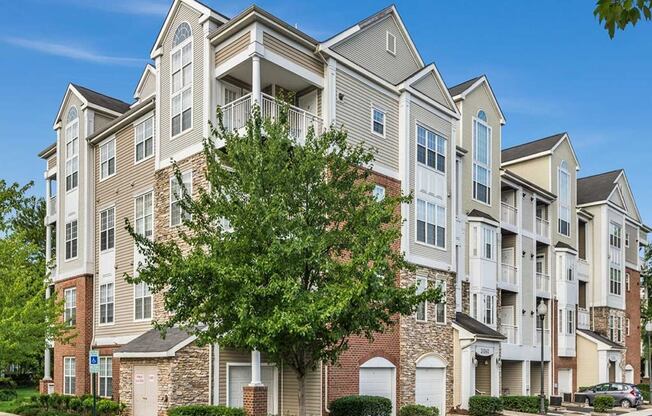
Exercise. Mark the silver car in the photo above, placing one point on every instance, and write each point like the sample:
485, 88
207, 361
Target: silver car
624, 394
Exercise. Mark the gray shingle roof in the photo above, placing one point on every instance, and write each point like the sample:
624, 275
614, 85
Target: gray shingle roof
476, 327
561, 244
102, 100
601, 338
531, 148
127, 114
460, 88
597, 187
152, 342
481, 214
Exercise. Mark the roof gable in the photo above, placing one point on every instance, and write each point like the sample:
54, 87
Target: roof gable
616, 197
148, 76
627, 196
537, 148
596, 188
460, 92
430, 86
93, 99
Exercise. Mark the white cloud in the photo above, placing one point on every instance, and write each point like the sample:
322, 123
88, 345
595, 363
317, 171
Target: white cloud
136, 7
71, 51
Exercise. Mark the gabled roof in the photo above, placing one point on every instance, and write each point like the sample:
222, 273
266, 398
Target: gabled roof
48, 151
152, 344
93, 99
597, 187
148, 71
600, 338
460, 91
531, 148
476, 327
421, 74
117, 123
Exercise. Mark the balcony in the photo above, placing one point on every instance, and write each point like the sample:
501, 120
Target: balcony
583, 319
542, 227
508, 274
510, 332
543, 282
508, 214
583, 270
546, 337
237, 113
52, 206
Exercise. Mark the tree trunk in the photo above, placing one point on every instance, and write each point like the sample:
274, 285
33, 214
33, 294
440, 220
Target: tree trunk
301, 378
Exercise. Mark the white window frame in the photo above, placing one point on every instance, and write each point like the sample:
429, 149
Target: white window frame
107, 227
107, 154
71, 238
627, 282
375, 109
390, 42
140, 138
564, 201
106, 373
69, 372
422, 286
174, 199
142, 292
570, 321
615, 281
442, 285
72, 151
489, 305
439, 216
626, 239
627, 326
480, 164
70, 306
141, 219
106, 303
615, 235
379, 192
438, 139
179, 49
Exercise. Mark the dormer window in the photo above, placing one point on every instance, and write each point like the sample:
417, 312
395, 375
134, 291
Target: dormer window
182, 74
390, 43
72, 149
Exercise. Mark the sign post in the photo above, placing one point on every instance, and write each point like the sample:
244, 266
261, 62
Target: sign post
94, 369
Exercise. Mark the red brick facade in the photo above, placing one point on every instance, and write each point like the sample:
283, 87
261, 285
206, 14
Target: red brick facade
79, 346
115, 367
254, 400
633, 310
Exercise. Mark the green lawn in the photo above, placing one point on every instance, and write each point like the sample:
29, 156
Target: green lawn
23, 393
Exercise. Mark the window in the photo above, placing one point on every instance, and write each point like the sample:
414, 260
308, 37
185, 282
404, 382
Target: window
489, 309
569, 274
615, 281
431, 224
107, 159
69, 375
486, 243
70, 306
182, 80
431, 149
612, 325
71, 240
106, 303
422, 313
144, 214
627, 327
390, 43
627, 281
619, 329
107, 229
378, 121
142, 302
481, 159
379, 193
106, 377
440, 308
561, 321
144, 139
570, 321
177, 214
614, 235
474, 306
72, 149
564, 200
627, 240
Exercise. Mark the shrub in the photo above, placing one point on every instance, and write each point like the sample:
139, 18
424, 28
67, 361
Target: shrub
485, 406
526, 404
7, 394
645, 390
7, 384
107, 407
205, 410
418, 410
75, 404
603, 404
583, 388
361, 406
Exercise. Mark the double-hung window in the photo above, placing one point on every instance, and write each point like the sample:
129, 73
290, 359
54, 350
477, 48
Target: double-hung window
107, 159
70, 306
144, 139
177, 214
615, 281
489, 309
69, 378
71, 239
144, 214
488, 241
564, 221
422, 308
431, 149
612, 328
106, 377
107, 229
378, 121
431, 224
72, 149
570, 321
481, 159
379, 193
440, 307
182, 74
142, 302
615, 235
106, 303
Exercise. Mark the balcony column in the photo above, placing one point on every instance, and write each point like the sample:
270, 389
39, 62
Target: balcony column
48, 245
255, 394
255, 79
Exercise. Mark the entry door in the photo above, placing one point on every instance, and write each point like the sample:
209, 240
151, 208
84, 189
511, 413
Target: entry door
430, 388
145, 385
377, 382
612, 371
565, 380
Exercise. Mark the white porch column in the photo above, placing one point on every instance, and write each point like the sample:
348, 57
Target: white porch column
48, 241
47, 364
255, 369
255, 78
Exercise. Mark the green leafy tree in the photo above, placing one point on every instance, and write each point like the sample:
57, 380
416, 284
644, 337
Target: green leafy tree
285, 251
646, 303
618, 14
27, 319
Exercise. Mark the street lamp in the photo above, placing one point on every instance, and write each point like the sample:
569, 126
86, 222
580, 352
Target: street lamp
648, 329
542, 310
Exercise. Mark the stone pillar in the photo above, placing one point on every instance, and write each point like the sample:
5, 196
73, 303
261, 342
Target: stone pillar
255, 400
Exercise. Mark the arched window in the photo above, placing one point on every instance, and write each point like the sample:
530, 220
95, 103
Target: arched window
481, 159
182, 74
72, 148
564, 199
482, 115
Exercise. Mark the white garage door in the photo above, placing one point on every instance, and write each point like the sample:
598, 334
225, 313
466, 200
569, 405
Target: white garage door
377, 382
565, 380
240, 376
430, 387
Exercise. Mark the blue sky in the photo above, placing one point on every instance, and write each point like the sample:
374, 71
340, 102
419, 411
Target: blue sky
552, 67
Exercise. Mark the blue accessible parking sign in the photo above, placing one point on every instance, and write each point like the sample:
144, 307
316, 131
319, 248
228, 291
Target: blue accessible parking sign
94, 361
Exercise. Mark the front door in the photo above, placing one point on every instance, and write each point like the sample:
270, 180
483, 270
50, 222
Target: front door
145, 385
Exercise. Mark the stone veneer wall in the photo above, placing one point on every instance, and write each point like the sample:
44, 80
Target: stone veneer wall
601, 319
420, 338
466, 297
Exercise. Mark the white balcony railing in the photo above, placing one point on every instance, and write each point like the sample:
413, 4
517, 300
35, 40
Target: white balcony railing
508, 274
52, 206
583, 321
546, 336
583, 269
542, 227
237, 113
508, 214
543, 282
510, 332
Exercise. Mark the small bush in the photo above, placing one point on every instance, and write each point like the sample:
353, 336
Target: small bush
7, 384
645, 390
603, 404
583, 388
107, 407
205, 410
7, 394
525, 404
361, 406
485, 406
418, 410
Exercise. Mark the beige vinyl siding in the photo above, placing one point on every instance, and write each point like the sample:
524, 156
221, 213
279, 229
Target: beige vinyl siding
354, 113
512, 377
483, 376
631, 252
149, 86
535, 377
457, 369
527, 210
536, 171
279, 47
564, 152
367, 48
615, 198
233, 48
429, 86
168, 146
422, 116
101, 121
587, 358
290, 392
120, 190
52, 162
228, 355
